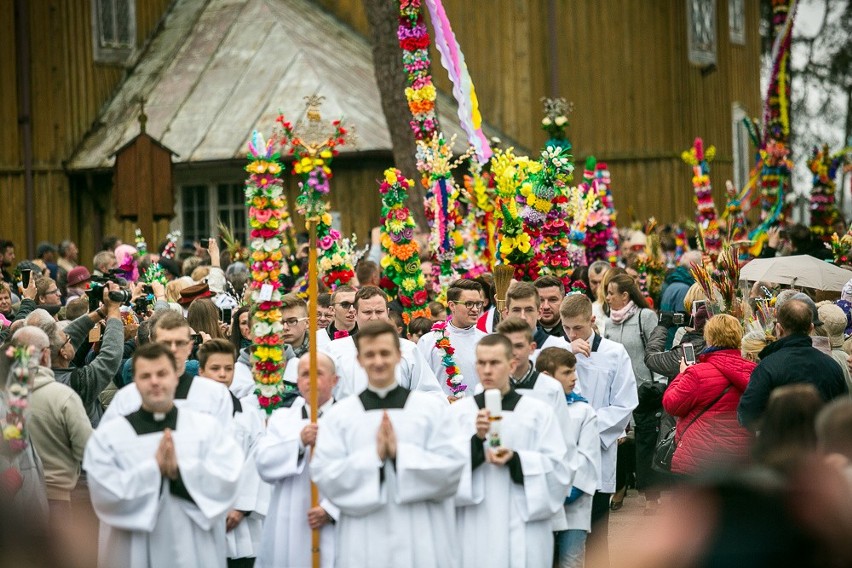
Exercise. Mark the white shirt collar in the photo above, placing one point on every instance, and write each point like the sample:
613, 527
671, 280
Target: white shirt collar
382, 392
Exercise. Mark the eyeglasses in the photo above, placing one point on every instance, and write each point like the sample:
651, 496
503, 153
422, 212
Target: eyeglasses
345, 305
472, 305
292, 321
51, 292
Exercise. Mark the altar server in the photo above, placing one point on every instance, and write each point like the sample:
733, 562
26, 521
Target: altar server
244, 522
605, 377
412, 372
388, 459
282, 458
511, 489
161, 478
203, 395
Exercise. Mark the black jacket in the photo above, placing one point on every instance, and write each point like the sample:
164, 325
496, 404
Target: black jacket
667, 362
789, 360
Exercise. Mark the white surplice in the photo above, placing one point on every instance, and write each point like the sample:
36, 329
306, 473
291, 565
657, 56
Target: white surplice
503, 523
551, 341
205, 396
253, 495
464, 342
412, 372
606, 380
282, 462
142, 523
397, 512
586, 465
243, 383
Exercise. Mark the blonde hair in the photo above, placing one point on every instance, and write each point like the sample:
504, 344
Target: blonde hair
695, 292
174, 287
574, 305
200, 273
723, 331
752, 344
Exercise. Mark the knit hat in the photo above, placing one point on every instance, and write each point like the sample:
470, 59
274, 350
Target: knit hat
834, 320
190, 293
78, 275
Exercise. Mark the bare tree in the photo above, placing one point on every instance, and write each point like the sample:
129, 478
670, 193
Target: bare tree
383, 16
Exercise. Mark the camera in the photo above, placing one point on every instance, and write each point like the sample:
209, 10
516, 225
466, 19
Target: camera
96, 291
673, 319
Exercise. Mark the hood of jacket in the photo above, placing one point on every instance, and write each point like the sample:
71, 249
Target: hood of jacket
731, 365
44, 376
680, 274
244, 357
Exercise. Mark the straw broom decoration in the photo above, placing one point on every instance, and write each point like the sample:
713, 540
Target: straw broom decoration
502, 279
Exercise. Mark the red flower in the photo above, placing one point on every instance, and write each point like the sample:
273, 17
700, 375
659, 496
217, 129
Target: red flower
420, 297
405, 301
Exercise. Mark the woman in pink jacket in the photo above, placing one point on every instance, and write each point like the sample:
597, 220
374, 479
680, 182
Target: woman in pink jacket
704, 399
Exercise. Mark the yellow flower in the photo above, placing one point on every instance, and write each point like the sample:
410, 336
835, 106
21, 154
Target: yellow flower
390, 176
11, 432
326, 219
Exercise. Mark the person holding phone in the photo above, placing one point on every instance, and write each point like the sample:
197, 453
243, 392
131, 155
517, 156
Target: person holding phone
703, 398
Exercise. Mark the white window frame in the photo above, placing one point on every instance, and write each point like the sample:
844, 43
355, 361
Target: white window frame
116, 52
701, 54
211, 184
740, 146
737, 22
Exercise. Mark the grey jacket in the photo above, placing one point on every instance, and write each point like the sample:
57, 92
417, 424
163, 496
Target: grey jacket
627, 333
90, 380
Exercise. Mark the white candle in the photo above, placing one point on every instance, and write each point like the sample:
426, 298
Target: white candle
494, 405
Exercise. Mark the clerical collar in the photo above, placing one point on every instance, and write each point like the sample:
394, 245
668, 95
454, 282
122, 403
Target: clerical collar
383, 392
508, 403
395, 398
144, 422
322, 409
461, 328
528, 380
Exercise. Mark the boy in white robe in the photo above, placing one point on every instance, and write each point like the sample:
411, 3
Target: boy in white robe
412, 372
282, 460
389, 460
244, 522
508, 494
202, 395
162, 478
464, 301
571, 537
606, 380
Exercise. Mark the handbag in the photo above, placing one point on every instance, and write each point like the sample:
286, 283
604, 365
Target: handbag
667, 442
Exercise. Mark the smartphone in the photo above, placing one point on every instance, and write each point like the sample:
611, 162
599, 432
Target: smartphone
196, 338
688, 353
26, 274
226, 315
204, 243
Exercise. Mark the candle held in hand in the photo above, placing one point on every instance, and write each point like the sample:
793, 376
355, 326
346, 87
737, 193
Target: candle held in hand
494, 406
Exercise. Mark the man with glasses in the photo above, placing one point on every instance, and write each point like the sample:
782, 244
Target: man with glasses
343, 302
294, 323
58, 426
170, 329
371, 304
464, 301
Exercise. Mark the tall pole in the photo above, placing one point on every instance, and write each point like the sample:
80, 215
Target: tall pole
313, 293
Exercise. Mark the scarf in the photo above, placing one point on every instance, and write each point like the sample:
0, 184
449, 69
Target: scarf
618, 316
573, 397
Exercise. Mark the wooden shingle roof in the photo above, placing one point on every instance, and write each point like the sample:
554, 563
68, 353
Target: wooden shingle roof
218, 69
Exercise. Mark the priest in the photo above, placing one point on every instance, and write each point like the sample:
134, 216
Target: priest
282, 460
371, 304
172, 331
512, 488
161, 478
389, 460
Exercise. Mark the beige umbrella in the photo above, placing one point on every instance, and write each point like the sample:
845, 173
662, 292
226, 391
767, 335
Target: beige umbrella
802, 271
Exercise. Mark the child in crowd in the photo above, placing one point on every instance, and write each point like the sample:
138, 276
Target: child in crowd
244, 522
570, 539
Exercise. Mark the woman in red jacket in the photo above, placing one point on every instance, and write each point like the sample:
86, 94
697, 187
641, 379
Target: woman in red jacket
715, 438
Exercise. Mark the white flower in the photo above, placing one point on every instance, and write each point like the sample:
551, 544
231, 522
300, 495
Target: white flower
268, 390
561, 120
262, 329
546, 121
457, 380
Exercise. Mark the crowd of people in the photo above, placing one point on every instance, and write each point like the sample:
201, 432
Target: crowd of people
475, 437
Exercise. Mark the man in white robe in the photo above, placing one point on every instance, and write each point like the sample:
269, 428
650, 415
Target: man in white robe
389, 460
412, 372
161, 478
509, 493
464, 301
202, 395
244, 522
606, 380
523, 301
282, 460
